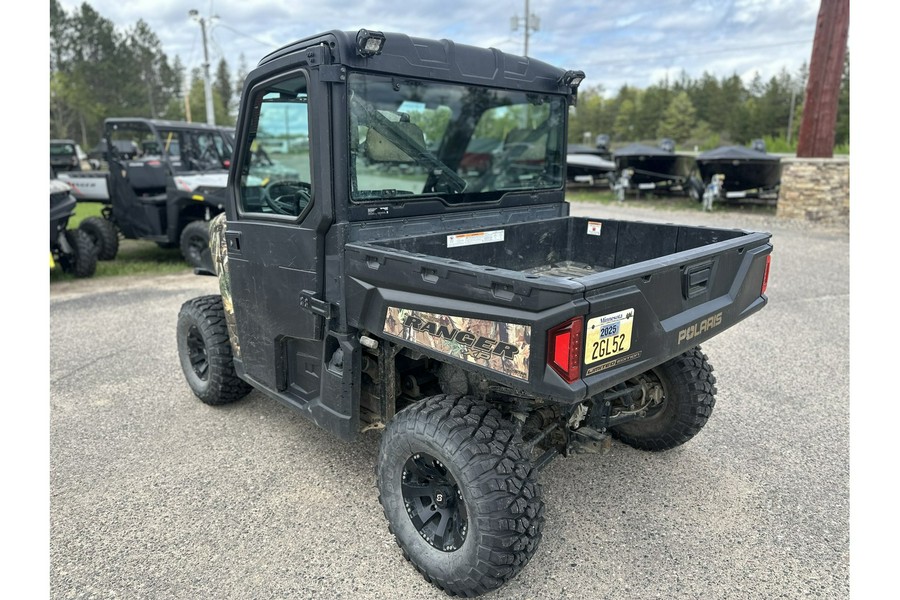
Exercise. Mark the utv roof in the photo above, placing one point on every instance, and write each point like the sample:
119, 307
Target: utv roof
434, 59
163, 124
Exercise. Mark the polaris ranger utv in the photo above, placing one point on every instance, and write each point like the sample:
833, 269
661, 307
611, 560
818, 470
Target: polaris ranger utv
460, 310
165, 190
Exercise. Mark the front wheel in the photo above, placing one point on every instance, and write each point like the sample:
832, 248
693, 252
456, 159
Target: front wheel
460, 496
82, 260
679, 412
205, 352
195, 242
104, 235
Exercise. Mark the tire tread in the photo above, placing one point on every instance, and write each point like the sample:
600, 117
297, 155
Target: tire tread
223, 385
501, 481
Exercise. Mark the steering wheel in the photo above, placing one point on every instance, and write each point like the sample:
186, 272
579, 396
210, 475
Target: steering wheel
209, 155
288, 196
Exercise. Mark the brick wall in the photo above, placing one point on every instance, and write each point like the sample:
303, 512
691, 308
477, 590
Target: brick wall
815, 189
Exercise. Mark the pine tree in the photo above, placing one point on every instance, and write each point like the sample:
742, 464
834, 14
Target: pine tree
222, 87
679, 119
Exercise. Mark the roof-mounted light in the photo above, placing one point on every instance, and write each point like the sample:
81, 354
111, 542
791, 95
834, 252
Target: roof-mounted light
369, 43
572, 79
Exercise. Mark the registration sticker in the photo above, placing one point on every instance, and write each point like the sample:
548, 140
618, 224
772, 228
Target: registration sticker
608, 335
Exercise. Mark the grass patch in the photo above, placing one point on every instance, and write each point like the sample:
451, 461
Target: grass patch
135, 257
83, 210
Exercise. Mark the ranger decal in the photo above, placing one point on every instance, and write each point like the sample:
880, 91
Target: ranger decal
501, 347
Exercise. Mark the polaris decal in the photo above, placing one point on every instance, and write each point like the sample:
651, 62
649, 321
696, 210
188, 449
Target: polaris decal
692, 331
501, 347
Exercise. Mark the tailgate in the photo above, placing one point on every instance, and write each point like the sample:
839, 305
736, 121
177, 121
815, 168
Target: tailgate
643, 313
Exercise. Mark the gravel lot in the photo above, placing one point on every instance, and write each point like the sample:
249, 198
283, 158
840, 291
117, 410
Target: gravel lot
155, 495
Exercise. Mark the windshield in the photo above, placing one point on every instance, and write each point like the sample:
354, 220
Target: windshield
62, 149
465, 143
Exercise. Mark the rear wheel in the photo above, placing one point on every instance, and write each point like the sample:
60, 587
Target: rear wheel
459, 494
195, 242
679, 410
82, 261
104, 235
205, 352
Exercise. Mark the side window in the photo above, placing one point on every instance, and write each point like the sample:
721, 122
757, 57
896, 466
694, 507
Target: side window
130, 140
275, 174
171, 148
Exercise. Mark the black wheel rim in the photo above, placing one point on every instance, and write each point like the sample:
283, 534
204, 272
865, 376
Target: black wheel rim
197, 353
434, 502
196, 245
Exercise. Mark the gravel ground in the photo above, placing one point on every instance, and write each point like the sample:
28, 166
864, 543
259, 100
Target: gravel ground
155, 495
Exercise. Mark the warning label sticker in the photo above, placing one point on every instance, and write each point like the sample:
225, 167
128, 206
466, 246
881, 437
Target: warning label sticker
473, 239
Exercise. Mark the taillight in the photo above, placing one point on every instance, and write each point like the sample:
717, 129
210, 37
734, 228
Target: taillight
765, 282
564, 348
226, 163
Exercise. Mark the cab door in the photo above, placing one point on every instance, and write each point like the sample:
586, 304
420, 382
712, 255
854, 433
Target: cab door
275, 238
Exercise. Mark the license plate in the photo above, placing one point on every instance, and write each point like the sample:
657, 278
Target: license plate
646, 186
608, 335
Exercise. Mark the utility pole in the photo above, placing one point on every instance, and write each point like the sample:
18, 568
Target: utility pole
207, 82
826, 67
531, 22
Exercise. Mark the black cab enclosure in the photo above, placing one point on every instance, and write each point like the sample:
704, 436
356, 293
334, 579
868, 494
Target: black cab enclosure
397, 253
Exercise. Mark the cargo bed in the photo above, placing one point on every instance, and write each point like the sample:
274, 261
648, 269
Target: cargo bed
669, 286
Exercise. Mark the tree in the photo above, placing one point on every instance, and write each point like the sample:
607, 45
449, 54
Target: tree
239, 78
175, 109
197, 99
98, 71
222, 87
150, 68
649, 111
679, 119
587, 116
623, 127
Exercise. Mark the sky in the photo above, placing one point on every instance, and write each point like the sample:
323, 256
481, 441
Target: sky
638, 42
